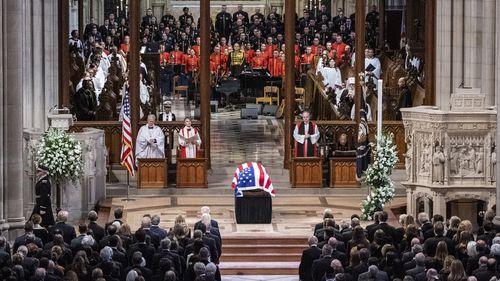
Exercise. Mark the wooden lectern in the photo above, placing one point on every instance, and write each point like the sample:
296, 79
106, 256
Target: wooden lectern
343, 172
192, 172
152, 173
307, 172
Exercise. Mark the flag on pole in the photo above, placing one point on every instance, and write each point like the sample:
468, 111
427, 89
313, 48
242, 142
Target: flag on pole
251, 176
127, 152
403, 24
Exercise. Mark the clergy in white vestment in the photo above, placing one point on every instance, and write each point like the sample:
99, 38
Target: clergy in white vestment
333, 77
189, 140
306, 135
150, 140
373, 63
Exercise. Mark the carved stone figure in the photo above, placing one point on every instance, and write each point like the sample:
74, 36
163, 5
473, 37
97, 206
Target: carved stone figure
408, 157
494, 164
480, 161
464, 162
454, 156
438, 163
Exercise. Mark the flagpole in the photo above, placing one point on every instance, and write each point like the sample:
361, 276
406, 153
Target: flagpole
128, 190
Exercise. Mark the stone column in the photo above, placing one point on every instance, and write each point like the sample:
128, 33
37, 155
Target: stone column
360, 52
13, 13
457, 47
439, 204
472, 44
488, 51
2, 120
410, 209
205, 88
443, 54
289, 77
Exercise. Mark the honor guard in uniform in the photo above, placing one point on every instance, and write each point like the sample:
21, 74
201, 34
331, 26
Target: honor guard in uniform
223, 22
43, 190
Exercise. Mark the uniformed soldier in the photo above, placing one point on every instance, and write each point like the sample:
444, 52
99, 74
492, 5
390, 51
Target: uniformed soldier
223, 22
43, 205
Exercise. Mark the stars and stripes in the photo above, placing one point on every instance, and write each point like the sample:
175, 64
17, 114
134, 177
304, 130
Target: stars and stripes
251, 176
127, 155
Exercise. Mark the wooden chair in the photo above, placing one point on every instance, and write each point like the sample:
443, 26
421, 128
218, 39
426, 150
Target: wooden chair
300, 95
272, 92
177, 89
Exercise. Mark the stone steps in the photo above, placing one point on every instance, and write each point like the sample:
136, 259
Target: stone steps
261, 255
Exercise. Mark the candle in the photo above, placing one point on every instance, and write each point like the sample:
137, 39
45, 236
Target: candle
121, 5
379, 109
117, 11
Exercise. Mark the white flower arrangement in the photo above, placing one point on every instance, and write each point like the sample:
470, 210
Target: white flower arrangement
61, 154
378, 177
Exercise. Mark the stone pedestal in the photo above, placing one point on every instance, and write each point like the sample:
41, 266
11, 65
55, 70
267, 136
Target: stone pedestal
78, 198
449, 153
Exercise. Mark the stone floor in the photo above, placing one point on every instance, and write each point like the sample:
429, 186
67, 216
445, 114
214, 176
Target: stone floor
293, 215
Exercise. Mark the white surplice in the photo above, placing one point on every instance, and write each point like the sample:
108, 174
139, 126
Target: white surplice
144, 149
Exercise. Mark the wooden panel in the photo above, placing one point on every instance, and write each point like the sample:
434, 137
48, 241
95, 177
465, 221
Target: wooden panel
152, 173
191, 172
343, 172
307, 172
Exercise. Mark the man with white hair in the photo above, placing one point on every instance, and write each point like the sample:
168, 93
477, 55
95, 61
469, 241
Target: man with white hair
321, 265
68, 231
206, 210
155, 230
97, 230
150, 140
309, 255
374, 273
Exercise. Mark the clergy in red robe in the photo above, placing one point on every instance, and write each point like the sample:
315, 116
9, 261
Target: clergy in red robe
189, 140
306, 135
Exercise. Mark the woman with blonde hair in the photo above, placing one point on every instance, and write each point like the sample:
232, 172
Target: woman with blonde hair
446, 267
125, 234
440, 256
457, 272
181, 231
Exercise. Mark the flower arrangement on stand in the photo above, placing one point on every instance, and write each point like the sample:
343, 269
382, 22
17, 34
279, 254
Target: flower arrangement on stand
378, 177
61, 154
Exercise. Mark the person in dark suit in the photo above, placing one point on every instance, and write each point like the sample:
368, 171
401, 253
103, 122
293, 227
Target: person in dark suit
164, 252
76, 243
209, 243
40, 231
419, 265
43, 190
85, 101
147, 251
370, 228
321, 265
27, 237
97, 230
68, 231
136, 261
389, 230
327, 214
373, 273
336, 254
430, 244
118, 214
425, 224
309, 255
362, 267
118, 254
487, 272
206, 210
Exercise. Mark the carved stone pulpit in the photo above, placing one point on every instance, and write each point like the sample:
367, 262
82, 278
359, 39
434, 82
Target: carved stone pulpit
450, 153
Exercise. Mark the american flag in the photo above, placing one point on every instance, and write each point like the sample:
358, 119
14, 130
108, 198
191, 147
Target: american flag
251, 176
127, 155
